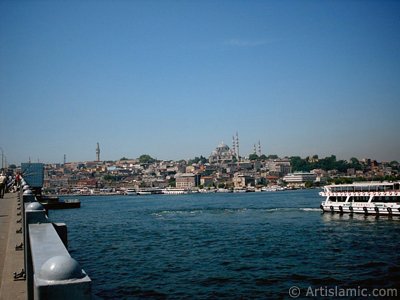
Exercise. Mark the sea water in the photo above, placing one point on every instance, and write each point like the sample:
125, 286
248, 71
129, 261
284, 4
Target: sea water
229, 246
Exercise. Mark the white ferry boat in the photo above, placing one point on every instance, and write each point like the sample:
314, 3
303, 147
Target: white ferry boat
175, 191
379, 198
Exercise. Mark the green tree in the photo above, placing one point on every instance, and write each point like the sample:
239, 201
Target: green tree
253, 156
309, 184
197, 160
394, 165
172, 182
146, 159
109, 177
299, 164
355, 163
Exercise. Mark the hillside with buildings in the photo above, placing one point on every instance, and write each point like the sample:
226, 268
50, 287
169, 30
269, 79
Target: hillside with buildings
224, 168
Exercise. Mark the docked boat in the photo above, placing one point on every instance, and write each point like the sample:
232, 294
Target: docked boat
207, 190
144, 192
240, 190
130, 192
273, 188
56, 203
175, 191
223, 190
379, 198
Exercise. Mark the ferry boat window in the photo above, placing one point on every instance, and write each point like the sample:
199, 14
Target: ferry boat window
389, 199
373, 189
376, 199
359, 199
385, 199
396, 186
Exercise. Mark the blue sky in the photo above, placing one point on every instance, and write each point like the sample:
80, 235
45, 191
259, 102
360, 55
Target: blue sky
175, 78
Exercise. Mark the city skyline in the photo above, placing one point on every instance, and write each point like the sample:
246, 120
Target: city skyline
173, 79
233, 150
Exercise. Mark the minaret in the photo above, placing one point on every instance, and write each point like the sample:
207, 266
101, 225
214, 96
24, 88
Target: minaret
259, 148
98, 152
233, 146
237, 146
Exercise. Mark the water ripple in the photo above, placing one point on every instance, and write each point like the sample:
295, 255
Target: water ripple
251, 246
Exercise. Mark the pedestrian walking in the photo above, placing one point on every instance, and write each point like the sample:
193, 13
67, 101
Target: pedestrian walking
3, 181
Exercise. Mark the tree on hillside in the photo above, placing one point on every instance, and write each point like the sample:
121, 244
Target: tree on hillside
197, 160
146, 159
394, 164
253, 156
355, 163
299, 164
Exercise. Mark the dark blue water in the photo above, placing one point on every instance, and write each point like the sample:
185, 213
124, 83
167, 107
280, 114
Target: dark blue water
227, 246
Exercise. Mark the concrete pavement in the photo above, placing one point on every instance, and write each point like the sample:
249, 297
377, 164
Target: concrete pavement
10, 259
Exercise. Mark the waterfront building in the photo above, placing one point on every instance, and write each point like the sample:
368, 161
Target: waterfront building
206, 180
241, 181
279, 167
89, 182
185, 180
299, 178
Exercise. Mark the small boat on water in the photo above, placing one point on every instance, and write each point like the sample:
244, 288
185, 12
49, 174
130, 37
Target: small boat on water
223, 190
56, 203
207, 190
144, 192
378, 198
273, 188
175, 191
130, 192
239, 190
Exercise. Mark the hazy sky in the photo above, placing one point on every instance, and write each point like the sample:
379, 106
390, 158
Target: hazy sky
175, 78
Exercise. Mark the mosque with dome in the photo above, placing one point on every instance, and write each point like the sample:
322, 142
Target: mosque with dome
222, 154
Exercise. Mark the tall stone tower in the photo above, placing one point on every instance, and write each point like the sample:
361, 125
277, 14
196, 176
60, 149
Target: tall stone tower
98, 152
237, 146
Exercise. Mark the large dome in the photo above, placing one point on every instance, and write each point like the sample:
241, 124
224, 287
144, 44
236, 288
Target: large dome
223, 146
221, 154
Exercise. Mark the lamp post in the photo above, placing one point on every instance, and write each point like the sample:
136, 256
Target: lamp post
2, 158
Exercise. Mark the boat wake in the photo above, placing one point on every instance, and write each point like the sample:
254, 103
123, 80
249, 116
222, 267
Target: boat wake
228, 211
310, 209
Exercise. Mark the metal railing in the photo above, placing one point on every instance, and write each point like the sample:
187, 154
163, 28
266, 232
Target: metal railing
50, 271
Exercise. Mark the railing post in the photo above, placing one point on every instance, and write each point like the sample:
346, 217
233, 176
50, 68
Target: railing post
51, 273
61, 277
34, 213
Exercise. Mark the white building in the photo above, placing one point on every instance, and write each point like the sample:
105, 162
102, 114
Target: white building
299, 178
279, 167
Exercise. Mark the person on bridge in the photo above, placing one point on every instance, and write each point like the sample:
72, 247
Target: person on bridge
3, 181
